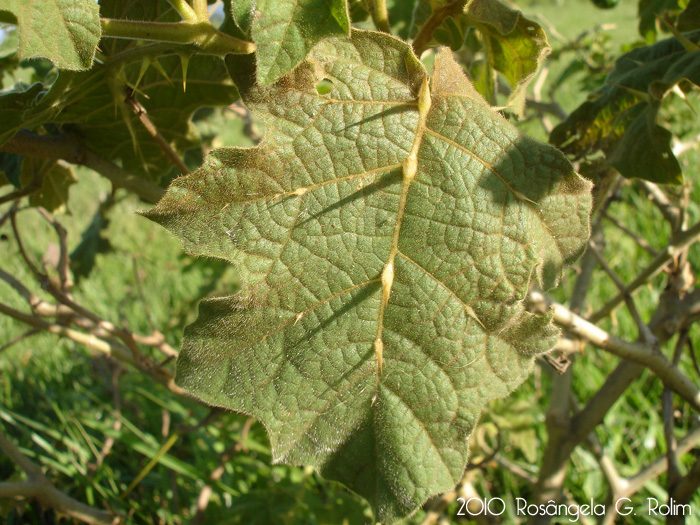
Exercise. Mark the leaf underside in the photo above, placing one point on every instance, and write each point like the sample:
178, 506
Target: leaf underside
382, 304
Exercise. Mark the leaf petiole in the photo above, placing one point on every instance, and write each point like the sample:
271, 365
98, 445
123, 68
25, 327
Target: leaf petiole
184, 10
206, 37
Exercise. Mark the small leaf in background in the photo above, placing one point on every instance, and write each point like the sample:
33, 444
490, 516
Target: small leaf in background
53, 194
13, 106
606, 4
53, 179
620, 118
651, 12
92, 242
285, 30
386, 234
64, 31
513, 44
689, 20
11, 168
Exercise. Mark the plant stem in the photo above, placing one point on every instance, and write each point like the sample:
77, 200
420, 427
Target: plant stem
640, 353
206, 37
420, 43
184, 10
153, 131
380, 16
201, 10
73, 151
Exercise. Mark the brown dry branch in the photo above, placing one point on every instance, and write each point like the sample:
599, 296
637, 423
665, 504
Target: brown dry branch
677, 309
644, 331
558, 418
37, 487
643, 354
71, 320
670, 211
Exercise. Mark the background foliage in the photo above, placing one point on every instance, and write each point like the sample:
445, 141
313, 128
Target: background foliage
118, 437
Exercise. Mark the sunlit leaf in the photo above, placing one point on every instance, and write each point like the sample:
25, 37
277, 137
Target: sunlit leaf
515, 45
386, 234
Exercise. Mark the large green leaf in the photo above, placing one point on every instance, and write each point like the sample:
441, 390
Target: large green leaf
285, 30
386, 234
620, 117
64, 31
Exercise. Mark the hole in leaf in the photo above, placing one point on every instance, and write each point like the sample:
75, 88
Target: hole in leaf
324, 87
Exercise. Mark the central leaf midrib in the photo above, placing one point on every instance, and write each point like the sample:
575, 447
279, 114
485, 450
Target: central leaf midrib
410, 169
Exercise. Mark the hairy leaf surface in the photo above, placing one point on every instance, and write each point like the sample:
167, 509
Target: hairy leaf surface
386, 233
285, 31
620, 119
64, 31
